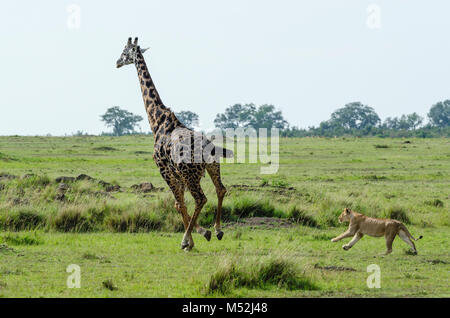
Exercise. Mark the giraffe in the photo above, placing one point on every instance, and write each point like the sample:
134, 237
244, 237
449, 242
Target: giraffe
174, 143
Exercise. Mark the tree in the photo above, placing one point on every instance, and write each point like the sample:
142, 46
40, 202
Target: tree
405, 122
439, 114
245, 116
188, 118
122, 121
236, 116
266, 117
354, 116
414, 121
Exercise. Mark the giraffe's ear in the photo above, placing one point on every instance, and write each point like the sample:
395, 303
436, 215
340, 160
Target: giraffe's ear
143, 50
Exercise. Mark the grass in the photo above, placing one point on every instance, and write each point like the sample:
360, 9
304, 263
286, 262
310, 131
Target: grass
279, 272
132, 239
153, 265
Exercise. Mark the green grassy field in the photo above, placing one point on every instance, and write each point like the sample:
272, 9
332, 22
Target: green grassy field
277, 232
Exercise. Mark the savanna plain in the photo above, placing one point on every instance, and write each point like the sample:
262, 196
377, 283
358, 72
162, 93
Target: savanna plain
100, 203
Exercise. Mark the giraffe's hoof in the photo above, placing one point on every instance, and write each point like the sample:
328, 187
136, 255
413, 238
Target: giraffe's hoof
219, 235
207, 235
184, 245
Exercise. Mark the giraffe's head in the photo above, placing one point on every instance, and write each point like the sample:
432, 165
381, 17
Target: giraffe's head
129, 53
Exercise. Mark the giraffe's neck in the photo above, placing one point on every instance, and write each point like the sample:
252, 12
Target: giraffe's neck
157, 113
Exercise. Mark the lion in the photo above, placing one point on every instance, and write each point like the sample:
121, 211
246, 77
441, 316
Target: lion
361, 224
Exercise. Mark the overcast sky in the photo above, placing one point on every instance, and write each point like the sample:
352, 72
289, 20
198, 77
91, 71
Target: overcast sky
307, 58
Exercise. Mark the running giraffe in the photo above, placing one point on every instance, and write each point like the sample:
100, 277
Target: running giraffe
171, 139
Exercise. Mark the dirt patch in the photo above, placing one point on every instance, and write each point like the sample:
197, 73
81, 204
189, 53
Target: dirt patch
267, 188
139, 152
145, 187
105, 149
28, 175
64, 179
6, 248
83, 177
109, 187
335, 268
61, 191
6, 176
267, 222
437, 261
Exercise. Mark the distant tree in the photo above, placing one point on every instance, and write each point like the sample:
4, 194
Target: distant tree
391, 123
266, 117
354, 116
405, 122
439, 114
248, 115
236, 116
414, 121
122, 121
188, 118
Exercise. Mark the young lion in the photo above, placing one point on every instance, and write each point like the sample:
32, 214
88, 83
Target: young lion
361, 224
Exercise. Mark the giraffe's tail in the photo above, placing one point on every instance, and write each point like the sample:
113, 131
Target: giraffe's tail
225, 153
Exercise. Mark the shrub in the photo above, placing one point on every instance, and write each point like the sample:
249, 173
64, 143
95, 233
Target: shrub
71, 219
134, 222
436, 202
274, 271
300, 217
21, 220
397, 213
246, 207
108, 284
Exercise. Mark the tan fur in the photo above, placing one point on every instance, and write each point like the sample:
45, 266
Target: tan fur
361, 225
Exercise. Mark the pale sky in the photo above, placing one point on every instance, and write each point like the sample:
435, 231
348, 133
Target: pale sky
308, 58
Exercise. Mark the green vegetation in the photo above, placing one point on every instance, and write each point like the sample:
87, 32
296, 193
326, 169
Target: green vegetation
82, 200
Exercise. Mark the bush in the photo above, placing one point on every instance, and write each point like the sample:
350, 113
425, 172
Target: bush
397, 213
22, 220
279, 272
246, 207
134, 222
71, 220
436, 202
300, 217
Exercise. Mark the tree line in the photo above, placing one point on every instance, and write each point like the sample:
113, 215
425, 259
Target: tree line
355, 119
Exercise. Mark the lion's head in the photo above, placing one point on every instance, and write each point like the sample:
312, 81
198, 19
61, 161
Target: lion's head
345, 215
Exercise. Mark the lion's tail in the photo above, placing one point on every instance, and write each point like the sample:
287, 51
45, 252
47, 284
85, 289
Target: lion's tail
409, 234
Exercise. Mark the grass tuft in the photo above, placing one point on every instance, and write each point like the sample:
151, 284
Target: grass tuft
436, 202
71, 219
278, 272
21, 220
300, 217
397, 213
21, 239
108, 284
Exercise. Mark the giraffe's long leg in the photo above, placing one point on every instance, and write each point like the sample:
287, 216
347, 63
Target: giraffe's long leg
177, 188
214, 172
200, 200
178, 193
